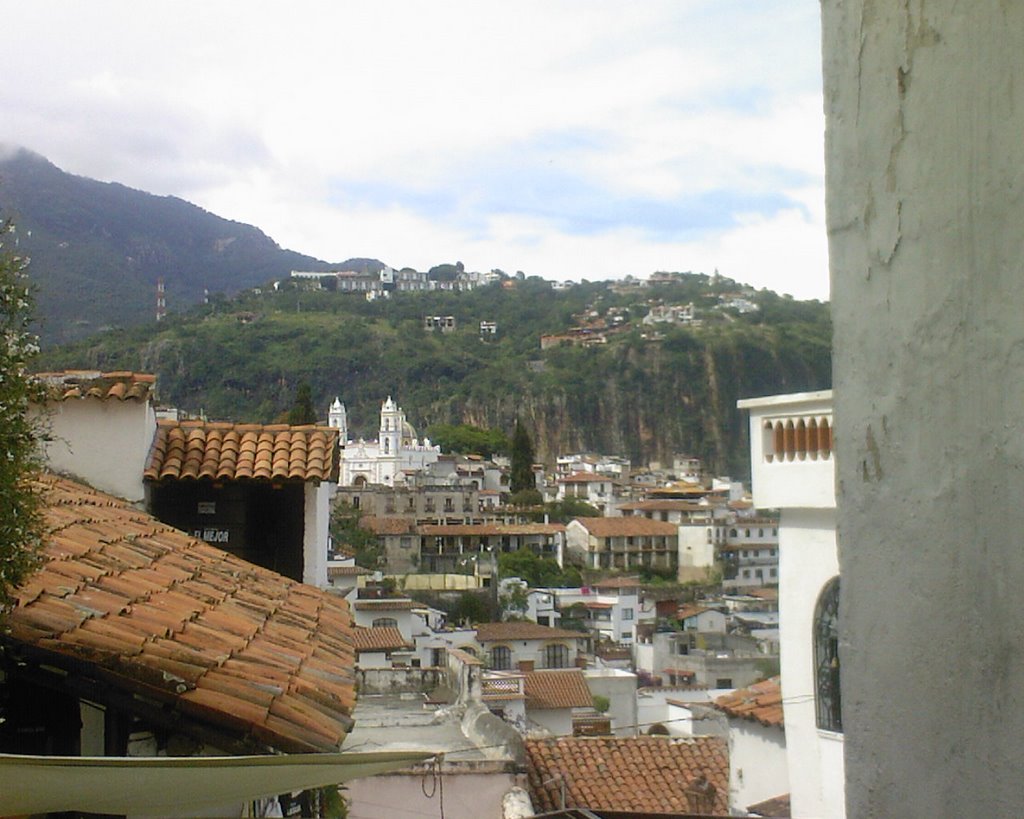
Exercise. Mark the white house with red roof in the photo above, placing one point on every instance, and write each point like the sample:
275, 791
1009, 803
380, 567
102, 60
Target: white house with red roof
758, 766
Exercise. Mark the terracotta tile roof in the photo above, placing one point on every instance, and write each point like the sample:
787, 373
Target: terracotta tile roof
347, 571
667, 505
655, 775
627, 527
617, 583
761, 702
522, 630
386, 526
121, 385
147, 610
764, 594
380, 638
688, 610
778, 807
225, 451
484, 529
387, 604
557, 688
584, 477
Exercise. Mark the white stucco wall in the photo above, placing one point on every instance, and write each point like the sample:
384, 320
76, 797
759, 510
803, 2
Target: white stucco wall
316, 533
758, 769
103, 442
619, 687
556, 721
925, 111
466, 796
807, 561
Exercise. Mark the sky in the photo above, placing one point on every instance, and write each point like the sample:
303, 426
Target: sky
571, 140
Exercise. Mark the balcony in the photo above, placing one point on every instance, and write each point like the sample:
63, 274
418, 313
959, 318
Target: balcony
792, 463
497, 686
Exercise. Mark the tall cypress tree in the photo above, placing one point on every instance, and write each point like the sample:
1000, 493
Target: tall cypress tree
522, 460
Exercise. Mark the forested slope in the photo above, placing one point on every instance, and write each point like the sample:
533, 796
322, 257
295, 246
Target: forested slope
674, 390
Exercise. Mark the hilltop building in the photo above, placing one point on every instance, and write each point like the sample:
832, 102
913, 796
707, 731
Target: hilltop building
396, 451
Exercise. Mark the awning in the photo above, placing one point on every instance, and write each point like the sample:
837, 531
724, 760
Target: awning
126, 785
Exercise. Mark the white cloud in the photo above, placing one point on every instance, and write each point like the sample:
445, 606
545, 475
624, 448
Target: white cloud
257, 110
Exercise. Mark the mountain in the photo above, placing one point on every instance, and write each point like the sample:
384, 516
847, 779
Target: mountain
98, 249
645, 392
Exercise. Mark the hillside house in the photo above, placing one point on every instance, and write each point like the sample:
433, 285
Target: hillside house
527, 646
758, 767
608, 613
623, 543
590, 487
635, 775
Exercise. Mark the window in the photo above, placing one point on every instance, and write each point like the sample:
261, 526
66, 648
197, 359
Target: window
501, 658
556, 655
385, 622
760, 532
828, 698
723, 682
626, 635
772, 573
627, 614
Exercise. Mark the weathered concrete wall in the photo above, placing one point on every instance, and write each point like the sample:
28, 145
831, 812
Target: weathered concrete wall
925, 163
398, 680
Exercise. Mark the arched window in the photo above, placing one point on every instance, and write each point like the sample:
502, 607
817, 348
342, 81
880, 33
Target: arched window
828, 697
556, 655
385, 622
501, 658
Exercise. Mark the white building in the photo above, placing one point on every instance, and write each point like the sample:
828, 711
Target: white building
396, 451
793, 471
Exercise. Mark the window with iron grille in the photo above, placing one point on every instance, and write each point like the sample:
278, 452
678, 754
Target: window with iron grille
828, 696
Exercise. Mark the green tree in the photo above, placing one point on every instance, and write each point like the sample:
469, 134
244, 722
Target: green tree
537, 571
21, 522
302, 411
467, 439
522, 460
347, 533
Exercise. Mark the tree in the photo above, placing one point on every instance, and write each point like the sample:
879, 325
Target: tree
21, 522
522, 460
302, 411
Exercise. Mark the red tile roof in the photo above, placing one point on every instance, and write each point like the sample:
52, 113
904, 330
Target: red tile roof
347, 571
689, 610
658, 775
628, 526
380, 638
584, 477
386, 526
387, 604
617, 583
484, 529
557, 688
522, 630
121, 385
150, 611
761, 702
224, 451
667, 505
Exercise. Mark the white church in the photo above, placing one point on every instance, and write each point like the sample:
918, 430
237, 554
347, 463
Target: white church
395, 453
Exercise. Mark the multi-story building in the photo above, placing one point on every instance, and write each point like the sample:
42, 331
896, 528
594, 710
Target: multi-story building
793, 470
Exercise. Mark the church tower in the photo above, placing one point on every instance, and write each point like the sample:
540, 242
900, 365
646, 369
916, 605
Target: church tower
390, 438
337, 418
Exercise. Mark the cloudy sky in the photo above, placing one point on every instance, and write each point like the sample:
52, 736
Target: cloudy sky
585, 139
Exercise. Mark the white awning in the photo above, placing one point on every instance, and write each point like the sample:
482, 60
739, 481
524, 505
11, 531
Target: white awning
172, 785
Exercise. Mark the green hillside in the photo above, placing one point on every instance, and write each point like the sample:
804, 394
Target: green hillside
644, 397
98, 248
